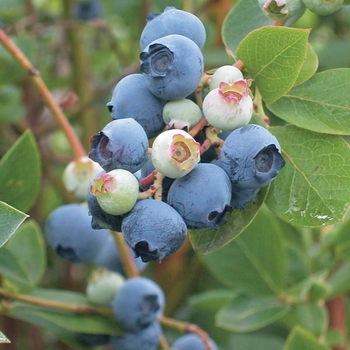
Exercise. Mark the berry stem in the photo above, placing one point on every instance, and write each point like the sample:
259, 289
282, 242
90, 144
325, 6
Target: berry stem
198, 127
259, 107
128, 264
48, 99
186, 327
50, 304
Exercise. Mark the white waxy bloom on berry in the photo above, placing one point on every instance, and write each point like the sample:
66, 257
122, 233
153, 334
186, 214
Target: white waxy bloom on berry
227, 74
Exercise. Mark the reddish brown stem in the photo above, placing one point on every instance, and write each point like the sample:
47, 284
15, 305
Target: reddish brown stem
44, 92
337, 318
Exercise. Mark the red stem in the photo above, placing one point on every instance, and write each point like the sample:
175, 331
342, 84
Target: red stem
337, 318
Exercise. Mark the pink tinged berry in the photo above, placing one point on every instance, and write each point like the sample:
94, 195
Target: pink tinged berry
78, 175
116, 191
175, 153
229, 106
227, 74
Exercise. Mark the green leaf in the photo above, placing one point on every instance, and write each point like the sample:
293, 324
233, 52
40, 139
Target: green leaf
94, 324
10, 220
28, 264
274, 57
243, 18
300, 338
313, 317
3, 339
20, 173
313, 189
321, 104
309, 67
11, 108
249, 313
255, 341
211, 301
207, 240
256, 261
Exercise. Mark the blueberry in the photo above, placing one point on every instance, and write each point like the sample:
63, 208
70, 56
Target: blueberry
147, 339
131, 98
173, 21
86, 10
99, 218
251, 156
192, 341
173, 66
68, 231
138, 303
202, 197
109, 257
154, 230
122, 144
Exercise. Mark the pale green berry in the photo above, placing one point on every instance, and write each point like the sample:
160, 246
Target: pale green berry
175, 153
229, 106
227, 74
116, 191
103, 285
78, 174
323, 7
283, 9
180, 114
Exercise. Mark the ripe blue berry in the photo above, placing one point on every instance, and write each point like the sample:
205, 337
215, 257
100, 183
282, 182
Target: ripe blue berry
202, 197
251, 156
173, 66
173, 21
154, 230
192, 342
109, 257
122, 144
68, 231
147, 339
129, 100
138, 303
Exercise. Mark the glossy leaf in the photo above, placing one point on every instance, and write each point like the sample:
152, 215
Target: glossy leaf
309, 67
300, 338
256, 261
249, 313
274, 57
313, 317
243, 18
24, 256
313, 189
321, 104
20, 173
10, 220
207, 240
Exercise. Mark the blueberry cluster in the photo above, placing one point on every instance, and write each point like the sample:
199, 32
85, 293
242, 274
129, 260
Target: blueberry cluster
155, 178
180, 185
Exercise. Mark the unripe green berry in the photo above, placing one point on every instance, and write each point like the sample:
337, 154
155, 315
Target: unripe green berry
103, 285
323, 7
116, 191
